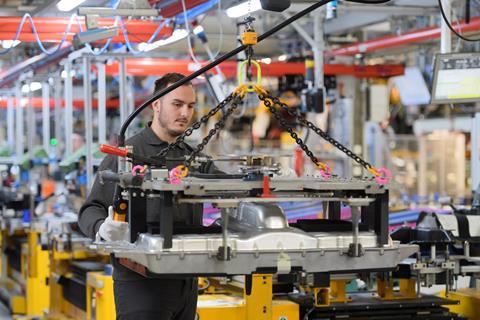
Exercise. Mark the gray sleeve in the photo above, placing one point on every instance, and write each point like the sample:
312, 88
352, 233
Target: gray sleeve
95, 209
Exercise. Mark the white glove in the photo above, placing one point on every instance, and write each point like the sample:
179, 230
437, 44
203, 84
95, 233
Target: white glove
111, 230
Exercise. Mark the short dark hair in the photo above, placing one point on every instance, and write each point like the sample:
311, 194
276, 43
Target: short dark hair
167, 79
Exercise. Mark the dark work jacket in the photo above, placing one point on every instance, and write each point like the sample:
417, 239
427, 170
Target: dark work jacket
95, 209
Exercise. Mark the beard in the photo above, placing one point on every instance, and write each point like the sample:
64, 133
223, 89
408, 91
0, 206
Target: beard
171, 131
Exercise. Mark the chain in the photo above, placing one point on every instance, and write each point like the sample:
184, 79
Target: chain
197, 124
266, 97
249, 50
218, 126
289, 129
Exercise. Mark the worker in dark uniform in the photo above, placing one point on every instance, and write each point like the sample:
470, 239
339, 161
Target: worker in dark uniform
138, 297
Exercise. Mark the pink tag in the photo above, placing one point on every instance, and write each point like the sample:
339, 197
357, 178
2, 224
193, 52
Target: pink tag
174, 176
385, 176
137, 170
326, 174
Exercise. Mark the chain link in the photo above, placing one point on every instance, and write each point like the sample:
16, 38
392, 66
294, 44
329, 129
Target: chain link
196, 125
266, 97
289, 129
218, 126
270, 102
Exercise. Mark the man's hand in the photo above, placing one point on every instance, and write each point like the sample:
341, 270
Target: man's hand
111, 230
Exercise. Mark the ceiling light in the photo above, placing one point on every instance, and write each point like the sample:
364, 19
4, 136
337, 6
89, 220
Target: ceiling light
177, 35
7, 44
243, 8
97, 34
266, 60
64, 73
68, 5
34, 86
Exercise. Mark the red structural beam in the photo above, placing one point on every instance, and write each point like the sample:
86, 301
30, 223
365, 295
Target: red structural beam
176, 8
37, 103
53, 29
157, 66
274, 69
391, 41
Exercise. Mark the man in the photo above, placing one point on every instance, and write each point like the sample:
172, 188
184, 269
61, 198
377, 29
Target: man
137, 297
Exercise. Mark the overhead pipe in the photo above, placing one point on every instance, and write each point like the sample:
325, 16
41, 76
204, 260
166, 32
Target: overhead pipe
59, 25
176, 8
52, 29
425, 34
37, 103
160, 66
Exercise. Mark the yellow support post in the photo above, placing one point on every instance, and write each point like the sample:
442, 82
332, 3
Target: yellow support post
259, 302
338, 291
100, 299
18, 305
384, 289
407, 288
321, 297
38, 264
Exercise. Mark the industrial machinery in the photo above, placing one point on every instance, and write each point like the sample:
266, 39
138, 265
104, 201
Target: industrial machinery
449, 248
253, 237
70, 262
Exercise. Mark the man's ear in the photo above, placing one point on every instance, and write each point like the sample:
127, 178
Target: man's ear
156, 105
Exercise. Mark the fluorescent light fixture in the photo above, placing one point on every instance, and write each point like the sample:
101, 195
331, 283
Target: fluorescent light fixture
7, 44
34, 86
97, 34
177, 35
242, 8
68, 5
266, 60
283, 57
64, 73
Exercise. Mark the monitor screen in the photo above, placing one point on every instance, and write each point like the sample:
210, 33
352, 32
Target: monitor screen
456, 78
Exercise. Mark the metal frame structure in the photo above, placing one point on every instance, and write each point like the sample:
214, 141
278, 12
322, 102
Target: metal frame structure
52, 29
244, 252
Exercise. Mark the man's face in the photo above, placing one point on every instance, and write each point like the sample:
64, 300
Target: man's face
174, 111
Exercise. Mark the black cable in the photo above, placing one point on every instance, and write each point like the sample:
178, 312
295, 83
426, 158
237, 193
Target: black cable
156, 95
307, 135
252, 139
450, 26
467, 11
